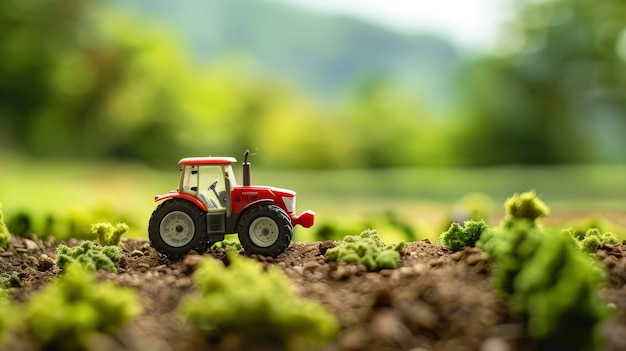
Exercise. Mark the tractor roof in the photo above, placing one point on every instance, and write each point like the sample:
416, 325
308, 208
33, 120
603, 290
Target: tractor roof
207, 161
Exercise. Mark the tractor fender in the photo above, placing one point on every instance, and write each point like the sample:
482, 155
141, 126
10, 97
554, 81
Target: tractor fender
178, 195
249, 206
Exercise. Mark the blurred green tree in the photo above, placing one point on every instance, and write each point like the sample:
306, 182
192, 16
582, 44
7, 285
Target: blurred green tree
556, 92
32, 34
70, 77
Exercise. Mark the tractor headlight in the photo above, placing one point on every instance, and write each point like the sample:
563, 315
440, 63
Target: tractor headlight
290, 203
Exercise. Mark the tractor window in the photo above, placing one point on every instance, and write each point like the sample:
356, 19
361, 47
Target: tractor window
228, 172
190, 180
215, 197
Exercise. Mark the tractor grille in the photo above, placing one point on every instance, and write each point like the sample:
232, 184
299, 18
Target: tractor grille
290, 203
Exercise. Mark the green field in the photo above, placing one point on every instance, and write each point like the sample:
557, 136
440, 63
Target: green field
422, 197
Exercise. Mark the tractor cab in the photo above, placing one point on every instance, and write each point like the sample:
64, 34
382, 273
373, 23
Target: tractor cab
210, 180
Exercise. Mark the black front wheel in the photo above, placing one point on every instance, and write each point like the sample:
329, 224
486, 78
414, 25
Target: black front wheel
176, 227
265, 230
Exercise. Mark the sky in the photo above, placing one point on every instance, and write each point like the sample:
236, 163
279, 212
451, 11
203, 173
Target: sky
472, 24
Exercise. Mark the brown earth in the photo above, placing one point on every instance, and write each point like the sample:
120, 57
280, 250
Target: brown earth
434, 300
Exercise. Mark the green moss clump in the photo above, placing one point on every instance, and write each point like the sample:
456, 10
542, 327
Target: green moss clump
510, 249
5, 236
558, 287
546, 279
10, 281
368, 249
75, 306
579, 227
525, 207
457, 237
229, 245
8, 313
108, 234
592, 239
254, 306
92, 257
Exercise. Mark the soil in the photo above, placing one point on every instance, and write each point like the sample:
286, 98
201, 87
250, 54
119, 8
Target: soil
435, 300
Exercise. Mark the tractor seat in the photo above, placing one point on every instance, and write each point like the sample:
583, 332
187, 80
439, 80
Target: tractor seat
207, 201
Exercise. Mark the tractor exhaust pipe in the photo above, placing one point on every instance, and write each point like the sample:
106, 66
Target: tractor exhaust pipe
246, 169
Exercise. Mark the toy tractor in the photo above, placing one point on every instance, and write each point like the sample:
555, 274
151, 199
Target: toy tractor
209, 204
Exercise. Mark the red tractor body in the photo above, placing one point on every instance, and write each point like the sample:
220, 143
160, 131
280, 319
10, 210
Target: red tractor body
208, 204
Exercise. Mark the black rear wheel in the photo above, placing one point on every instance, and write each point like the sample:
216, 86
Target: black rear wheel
176, 227
265, 230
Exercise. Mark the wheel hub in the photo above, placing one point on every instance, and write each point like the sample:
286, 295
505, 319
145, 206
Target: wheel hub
263, 231
177, 229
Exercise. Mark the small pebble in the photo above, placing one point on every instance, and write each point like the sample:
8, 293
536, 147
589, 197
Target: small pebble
388, 325
161, 268
610, 261
608, 246
354, 338
45, 263
344, 272
438, 262
472, 260
30, 245
192, 262
311, 265
419, 268
386, 272
136, 253
406, 271
421, 315
495, 344
325, 245
457, 255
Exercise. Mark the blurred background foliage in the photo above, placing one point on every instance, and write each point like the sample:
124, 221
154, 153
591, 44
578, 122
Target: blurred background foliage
556, 93
151, 81
146, 82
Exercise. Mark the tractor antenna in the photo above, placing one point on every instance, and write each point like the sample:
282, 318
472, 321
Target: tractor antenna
246, 169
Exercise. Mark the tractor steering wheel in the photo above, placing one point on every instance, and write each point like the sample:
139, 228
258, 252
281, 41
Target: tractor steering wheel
212, 186
221, 197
